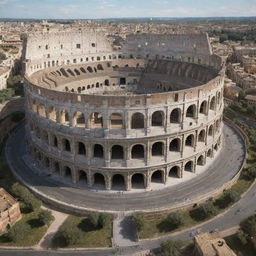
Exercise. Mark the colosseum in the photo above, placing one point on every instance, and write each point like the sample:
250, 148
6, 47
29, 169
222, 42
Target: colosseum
122, 119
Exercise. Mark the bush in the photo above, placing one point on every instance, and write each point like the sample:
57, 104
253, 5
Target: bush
251, 172
18, 232
139, 221
70, 236
248, 226
242, 237
94, 220
175, 220
171, 248
104, 220
229, 197
206, 210
25, 196
45, 216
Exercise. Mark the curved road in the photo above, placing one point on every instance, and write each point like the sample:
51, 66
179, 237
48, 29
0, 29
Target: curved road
223, 169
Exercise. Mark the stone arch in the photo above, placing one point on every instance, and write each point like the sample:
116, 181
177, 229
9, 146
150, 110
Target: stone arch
210, 130
209, 153
213, 103
137, 152
175, 116
100, 67
53, 114
216, 147
99, 180
116, 121
106, 82
41, 110
81, 149
157, 176
218, 97
158, 149
203, 107
64, 117
157, 118
137, 121
189, 166
66, 145
138, 180
117, 152
77, 72
98, 151
118, 182
190, 140
90, 69
175, 145
174, 171
200, 160
56, 167
202, 136
79, 120
34, 106
67, 172
82, 176
191, 111
45, 137
55, 141
96, 120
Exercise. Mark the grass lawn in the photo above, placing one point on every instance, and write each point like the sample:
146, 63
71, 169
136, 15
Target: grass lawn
89, 238
238, 248
32, 236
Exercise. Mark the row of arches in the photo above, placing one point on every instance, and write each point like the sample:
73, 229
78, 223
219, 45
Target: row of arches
133, 151
122, 181
138, 120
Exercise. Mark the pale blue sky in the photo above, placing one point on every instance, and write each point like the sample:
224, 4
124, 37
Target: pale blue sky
124, 8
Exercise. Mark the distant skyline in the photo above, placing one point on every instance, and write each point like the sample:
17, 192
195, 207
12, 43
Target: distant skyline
97, 9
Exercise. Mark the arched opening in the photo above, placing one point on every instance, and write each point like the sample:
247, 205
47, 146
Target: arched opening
98, 151
213, 103
158, 149
158, 118
216, 147
117, 152
77, 72
90, 69
118, 182
191, 111
96, 120
218, 98
138, 181
175, 116
137, 121
209, 153
34, 106
189, 166
106, 82
57, 167
190, 141
64, 117
138, 152
47, 162
116, 121
82, 177
79, 120
81, 149
99, 67
174, 172
66, 145
203, 107
41, 110
45, 137
55, 141
200, 160
201, 136
99, 180
175, 145
68, 172
157, 177
52, 114
210, 131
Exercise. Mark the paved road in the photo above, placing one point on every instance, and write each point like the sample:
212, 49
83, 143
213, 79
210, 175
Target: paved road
224, 168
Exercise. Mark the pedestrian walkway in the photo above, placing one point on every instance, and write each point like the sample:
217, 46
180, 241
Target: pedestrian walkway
46, 240
123, 231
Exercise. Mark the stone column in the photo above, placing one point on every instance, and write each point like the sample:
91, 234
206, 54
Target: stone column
128, 182
108, 182
90, 178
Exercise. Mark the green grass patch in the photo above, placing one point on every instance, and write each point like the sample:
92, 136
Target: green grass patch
32, 236
89, 237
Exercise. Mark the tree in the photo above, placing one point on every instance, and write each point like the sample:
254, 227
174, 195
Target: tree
242, 237
175, 220
18, 232
171, 248
248, 226
104, 220
251, 172
139, 221
206, 210
70, 236
94, 220
229, 197
45, 216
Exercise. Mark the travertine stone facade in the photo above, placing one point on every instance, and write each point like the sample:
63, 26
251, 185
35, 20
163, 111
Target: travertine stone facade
123, 119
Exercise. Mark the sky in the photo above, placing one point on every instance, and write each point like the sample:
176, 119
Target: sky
89, 9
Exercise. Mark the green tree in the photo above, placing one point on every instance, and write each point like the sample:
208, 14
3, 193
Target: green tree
18, 232
251, 172
139, 221
171, 248
248, 226
70, 236
175, 220
104, 220
45, 216
242, 237
206, 210
94, 220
